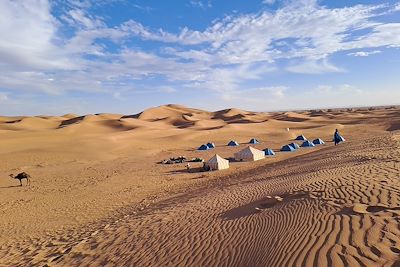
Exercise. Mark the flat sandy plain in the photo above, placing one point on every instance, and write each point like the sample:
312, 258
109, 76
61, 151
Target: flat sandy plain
99, 197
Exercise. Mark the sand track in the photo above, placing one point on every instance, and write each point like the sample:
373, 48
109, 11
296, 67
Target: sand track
314, 220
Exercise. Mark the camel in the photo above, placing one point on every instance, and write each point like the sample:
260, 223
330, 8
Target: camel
20, 176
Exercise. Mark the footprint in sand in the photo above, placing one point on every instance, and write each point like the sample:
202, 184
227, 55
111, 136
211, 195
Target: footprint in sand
359, 208
269, 202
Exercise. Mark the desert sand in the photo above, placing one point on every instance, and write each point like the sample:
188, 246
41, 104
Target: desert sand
99, 197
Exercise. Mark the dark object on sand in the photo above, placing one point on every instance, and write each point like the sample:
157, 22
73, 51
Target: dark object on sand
196, 160
21, 176
180, 159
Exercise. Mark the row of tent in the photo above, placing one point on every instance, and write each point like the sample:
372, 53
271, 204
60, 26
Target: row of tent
293, 146
303, 138
231, 143
247, 154
306, 143
253, 154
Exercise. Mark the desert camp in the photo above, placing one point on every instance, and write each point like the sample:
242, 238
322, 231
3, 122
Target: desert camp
197, 133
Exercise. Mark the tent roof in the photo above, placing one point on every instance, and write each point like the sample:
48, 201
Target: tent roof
217, 159
203, 147
294, 145
233, 142
287, 148
210, 145
301, 137
249, 150
318, 141
307, 144
253, 141
269, 151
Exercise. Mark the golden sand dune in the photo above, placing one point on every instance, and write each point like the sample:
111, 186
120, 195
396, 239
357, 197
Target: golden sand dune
70, 116
99, 197
30, 124
168, 111
291, 116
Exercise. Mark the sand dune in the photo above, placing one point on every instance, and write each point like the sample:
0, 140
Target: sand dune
99, 196
164, 112
30, 124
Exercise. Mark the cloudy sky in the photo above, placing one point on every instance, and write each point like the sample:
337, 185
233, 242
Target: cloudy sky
91, 56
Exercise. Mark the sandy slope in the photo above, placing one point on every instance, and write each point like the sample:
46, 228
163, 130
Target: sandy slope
98, 196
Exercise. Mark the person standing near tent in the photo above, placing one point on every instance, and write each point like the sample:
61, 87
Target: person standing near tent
336, 137
188, 167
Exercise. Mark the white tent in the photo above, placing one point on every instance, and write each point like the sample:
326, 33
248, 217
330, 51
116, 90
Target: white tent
217, 163
249, 154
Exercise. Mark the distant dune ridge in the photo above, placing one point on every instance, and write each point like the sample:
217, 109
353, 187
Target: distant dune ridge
98, 195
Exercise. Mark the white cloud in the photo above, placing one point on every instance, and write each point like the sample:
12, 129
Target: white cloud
3, 97
167, 89
79, 18
231, 51
201, 4
341, 95
255, 97
342, 89
314, 67
364, 53
268, 2
117, 95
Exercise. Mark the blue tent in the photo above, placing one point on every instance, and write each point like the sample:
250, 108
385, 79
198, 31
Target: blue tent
203, 147
269, 152
233, 143
287, 148
294, 145
253, 141
307, 144
210, 145
318, 141
301, 138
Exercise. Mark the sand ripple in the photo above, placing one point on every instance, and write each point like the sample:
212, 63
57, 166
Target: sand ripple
339, 206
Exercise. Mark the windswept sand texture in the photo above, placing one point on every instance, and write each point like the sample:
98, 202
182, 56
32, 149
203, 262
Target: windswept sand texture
98, 196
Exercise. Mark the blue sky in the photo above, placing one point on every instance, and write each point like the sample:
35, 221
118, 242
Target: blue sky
124, 56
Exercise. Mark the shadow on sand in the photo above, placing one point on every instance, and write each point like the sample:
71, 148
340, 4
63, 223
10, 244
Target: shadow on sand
10, 186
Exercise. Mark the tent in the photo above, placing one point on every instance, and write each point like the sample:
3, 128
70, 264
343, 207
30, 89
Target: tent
217, 163
294, 145
301, 138
307, 144
318, 141
203, 147
287, 148
269, 152
210, 145
233, 143
249, 154
253, 141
